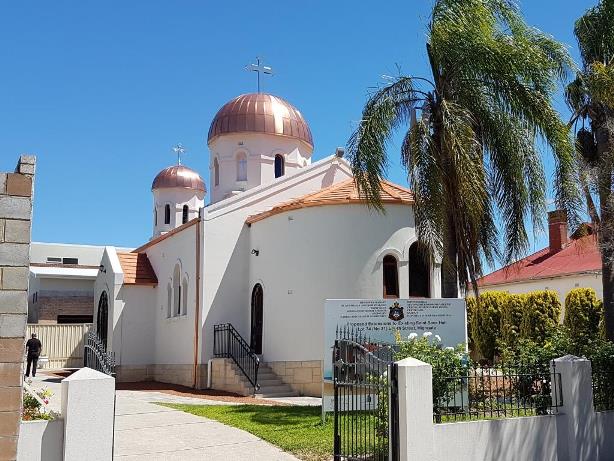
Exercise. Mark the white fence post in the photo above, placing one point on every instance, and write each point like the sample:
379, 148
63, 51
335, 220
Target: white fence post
578, 431
415, 380
88, 407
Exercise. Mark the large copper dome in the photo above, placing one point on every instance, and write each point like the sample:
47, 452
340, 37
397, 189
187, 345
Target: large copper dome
260, 113
178, 176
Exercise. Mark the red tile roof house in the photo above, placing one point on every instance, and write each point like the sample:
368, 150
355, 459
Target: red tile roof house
568, 262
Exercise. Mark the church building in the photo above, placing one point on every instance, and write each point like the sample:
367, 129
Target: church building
274, 237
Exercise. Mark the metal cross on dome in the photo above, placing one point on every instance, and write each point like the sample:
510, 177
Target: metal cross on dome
259, 68
179, 150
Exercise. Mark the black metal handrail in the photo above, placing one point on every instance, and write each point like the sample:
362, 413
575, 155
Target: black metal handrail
96, 356
228, 343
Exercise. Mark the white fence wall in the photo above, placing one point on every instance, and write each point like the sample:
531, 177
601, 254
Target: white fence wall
62, 343
576, 433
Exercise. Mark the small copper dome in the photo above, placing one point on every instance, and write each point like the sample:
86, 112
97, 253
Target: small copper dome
178, 176
260, 113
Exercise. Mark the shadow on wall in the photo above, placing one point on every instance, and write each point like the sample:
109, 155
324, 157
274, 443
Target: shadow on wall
231, 301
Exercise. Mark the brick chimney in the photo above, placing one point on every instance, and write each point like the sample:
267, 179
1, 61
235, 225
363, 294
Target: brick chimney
557, 229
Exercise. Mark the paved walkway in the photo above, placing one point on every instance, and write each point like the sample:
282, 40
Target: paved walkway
149, 432
145, 431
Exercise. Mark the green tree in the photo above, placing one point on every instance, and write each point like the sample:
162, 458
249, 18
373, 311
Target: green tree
473, 130
591, 98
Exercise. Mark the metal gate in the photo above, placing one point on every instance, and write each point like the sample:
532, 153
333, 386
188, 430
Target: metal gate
365, 400
96, 356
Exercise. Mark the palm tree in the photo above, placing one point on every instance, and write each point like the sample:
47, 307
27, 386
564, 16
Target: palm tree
591, 98
474, 127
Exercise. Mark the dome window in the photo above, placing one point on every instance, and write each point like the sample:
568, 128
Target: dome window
216, 172
167, 214
280, 168
241, 167
184, 218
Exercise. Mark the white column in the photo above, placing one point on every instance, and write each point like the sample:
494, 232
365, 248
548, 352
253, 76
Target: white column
415, 382
88, 406
576, 430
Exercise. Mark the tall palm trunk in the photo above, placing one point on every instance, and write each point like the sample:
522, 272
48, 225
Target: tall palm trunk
449, 267
606, 228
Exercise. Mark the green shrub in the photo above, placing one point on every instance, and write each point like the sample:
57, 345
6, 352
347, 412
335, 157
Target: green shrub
583, 313
540, 315
511, 318
485, 323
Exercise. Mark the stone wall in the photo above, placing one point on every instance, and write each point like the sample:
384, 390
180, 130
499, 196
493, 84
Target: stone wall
181, 375
303, 377
15, 220
226, 376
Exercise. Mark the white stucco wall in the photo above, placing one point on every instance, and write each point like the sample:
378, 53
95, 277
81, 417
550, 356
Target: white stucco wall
110, 280
173, 336
318, 253
562, 285
260, 150
227, 249
88, 255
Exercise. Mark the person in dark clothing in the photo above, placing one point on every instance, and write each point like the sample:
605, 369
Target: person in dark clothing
33, 347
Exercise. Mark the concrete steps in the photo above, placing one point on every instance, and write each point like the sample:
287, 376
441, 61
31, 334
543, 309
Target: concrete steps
271, 385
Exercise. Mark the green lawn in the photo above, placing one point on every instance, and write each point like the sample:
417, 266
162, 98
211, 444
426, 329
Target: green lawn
298, 430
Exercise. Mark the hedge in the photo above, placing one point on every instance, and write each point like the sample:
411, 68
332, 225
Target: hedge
583, 313
498, 320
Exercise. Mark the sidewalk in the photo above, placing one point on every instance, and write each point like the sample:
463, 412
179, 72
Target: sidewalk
149, 432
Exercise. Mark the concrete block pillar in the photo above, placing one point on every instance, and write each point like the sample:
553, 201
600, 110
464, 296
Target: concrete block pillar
415, 381
88, 408
16, 190
576, 430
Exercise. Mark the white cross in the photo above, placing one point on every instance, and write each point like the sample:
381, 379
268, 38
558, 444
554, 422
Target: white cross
179, 150
259, 68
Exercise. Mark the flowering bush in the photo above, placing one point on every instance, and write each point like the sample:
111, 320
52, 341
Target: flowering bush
32, 407
446, 362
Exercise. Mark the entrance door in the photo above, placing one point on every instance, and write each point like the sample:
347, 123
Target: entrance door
102, 319
256, 336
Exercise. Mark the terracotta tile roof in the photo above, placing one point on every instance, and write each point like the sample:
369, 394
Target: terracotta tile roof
579, 256
137, 269
341, 193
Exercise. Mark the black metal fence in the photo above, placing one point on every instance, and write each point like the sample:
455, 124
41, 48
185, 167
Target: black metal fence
502, 391
365, 400
227, 342
96, 356
603, 385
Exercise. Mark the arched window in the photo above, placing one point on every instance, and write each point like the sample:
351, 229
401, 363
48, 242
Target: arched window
279, 166
184, 295
241, 167
169, 306
216, 172
391, 277
184, 219
257, 319
155, 216
102, 318
177, 290
419, 271
167, 214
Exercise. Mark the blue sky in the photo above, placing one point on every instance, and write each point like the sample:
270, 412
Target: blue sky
101, 91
